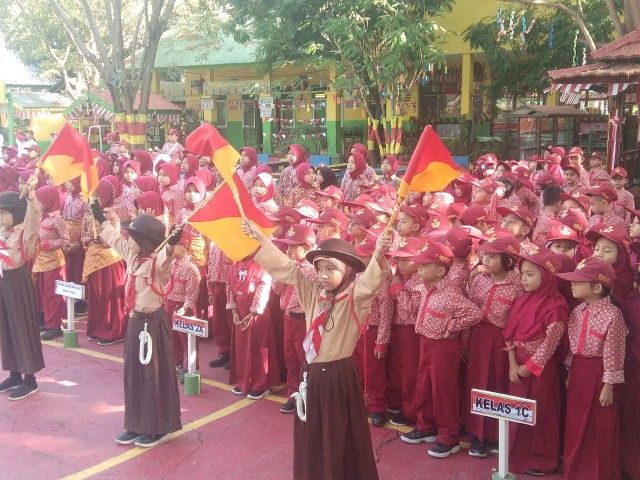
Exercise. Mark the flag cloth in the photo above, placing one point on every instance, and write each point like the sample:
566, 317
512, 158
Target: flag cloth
220, 220
69, 156
431, 167
206, 141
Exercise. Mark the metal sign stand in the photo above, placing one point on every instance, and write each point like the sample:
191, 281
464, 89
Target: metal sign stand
71, 292
503, 452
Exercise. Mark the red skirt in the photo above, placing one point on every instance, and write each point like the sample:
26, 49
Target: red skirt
106, 312
53, 305
75, 264
334, 443
592, 432
538, 447
488, 369
254, 362
631, 421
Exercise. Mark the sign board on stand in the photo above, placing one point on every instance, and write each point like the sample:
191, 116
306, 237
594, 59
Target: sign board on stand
505, 408
193, 327
72, 292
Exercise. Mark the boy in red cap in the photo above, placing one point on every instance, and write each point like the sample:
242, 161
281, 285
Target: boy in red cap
518, 221
336, 306
601, 199
477, 216
411, 220
576, 157
332, 223
299, 241
572, 184
404, 346
329, 197
444, 312
625, 197
597, 333
597, 173
552, 204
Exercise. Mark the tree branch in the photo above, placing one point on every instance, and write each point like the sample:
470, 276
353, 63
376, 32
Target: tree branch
580, 20
615, 18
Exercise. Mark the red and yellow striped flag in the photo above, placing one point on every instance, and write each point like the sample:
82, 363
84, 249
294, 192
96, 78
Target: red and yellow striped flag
206, 141
220, 220
431, 167
69, 156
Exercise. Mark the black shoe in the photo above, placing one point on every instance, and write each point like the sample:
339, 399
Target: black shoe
393, 411
93, 338
80, 307
42, 328
400, 420
104, 343
440, 450
237, 390
11, 382
416, 436
534, 473
478, 449
257, 395
148, 441
378, 419
221, 361
51, 334
23, 390
127, 438
289, 407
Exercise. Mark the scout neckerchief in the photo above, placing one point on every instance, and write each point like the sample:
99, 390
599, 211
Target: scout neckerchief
313, 338
130, 287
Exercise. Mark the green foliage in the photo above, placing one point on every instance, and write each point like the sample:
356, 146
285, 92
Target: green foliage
519, 68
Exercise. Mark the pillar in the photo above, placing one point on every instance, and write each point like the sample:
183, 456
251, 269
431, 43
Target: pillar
466, 104
333, 124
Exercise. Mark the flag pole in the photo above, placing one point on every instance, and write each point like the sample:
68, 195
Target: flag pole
198, 207
36, 172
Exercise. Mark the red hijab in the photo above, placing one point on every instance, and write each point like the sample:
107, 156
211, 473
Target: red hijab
49, 197
301, 172
192, 160
206, 176
200, 187
533, 312
299, 152
267, 179
361, 164
253, 158
172, 172
75, 182
108, 190
144, 157
393, 162
147, 183
464, 188
131, 164
151, 200
362, 149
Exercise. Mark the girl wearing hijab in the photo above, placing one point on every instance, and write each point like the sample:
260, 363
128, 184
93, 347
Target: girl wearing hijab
533, 335
307, 186
147, 183
389, 169
207, 177
288, 178
248, 166
326, 177
263, 191
130, 172
49, 265
356, 175
103, 272
188, 168
172, 195
73, 211
194, 193
150, 203
144, 159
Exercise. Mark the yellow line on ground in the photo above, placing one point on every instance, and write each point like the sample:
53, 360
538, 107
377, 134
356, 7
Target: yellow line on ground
85, 351
137, 451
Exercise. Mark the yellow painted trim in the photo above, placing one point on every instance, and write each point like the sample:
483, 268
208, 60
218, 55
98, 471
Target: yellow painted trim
467, 85
137, 451
120, 117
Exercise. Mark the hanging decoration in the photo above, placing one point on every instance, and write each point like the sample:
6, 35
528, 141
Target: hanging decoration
575, 49
500, 24
550, 38
512, 19
584, 55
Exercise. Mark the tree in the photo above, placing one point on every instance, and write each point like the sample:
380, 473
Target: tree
379, 48
519, 62
624, 15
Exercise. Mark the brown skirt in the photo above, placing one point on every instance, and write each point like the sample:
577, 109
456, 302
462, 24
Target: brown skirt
151, 400
20, 347
334, 443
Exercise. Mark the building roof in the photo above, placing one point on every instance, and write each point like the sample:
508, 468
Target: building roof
626, 47
40, 100
174, 52
597, 72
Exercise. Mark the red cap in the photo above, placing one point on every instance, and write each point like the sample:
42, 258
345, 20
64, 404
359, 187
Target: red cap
333, 192
603, 190
360, 201
383, 205
434, 252
407, 247
364, 219
523, 213
500, 242
459, 241
581, 200
541, 256
299, 234
456, 210
575, 152
574, 219
535, 158
437, 221
560, 231
475, 214
520, 170
618, 172
560, 151
367, 246
420, 213
487, 160
591, 269
618, 235
332, 216
307, 208
285, 215
489, 185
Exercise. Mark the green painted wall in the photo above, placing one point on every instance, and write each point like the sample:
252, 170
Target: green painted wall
235, 134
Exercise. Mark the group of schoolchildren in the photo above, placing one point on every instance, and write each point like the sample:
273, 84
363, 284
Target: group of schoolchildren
518, 278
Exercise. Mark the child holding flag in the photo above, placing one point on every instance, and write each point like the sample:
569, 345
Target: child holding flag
335, 308
19, 341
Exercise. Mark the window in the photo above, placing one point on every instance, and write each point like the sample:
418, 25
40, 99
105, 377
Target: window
249, 113
220, 105
320, 112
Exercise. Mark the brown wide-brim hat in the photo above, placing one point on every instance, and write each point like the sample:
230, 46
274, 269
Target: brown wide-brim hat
340, 250
147, 226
